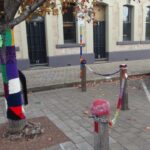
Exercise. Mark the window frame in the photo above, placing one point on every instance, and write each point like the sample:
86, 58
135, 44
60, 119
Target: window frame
147, 25
127, 23
69, 26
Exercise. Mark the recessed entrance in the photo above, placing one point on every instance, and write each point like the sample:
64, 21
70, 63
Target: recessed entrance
99, 31
36, 41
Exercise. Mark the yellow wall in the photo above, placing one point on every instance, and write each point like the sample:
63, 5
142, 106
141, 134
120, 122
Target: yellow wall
99, 11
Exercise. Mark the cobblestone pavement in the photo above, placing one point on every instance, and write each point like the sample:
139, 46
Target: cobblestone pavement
67, 108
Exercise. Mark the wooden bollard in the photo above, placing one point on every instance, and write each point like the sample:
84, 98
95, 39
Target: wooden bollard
100, 113
83, 74
124, 77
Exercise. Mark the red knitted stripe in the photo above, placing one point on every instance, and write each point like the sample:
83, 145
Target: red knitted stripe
18, 111
96, 127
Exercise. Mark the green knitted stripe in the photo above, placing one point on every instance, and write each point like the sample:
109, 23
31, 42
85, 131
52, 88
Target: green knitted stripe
8, 37
1, 41
4, 76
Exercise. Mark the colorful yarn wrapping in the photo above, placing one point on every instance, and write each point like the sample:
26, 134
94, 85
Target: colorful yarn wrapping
115, 117
1, 41
119, 103
12, 88
81, 40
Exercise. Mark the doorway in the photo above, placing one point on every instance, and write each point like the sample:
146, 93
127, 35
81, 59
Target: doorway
36, 41
99, 31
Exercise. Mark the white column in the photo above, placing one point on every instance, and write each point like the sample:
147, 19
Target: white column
143, 23
120, 22
60, 25
134, 24
49, 35
24, 43
89, 37
108, 30
77, 32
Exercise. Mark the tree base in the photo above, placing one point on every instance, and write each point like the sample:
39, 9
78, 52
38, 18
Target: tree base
22, 130
16, 126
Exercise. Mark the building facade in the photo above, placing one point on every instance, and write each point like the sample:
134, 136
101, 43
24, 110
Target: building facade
120, 31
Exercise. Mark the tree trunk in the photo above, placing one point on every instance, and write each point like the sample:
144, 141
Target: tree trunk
11, 82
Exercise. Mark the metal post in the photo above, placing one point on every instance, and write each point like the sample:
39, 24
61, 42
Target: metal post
82, 64
81, 46
124, 77
100, 112
83, 74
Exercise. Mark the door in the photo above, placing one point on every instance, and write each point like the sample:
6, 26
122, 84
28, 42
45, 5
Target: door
99, 39
99, 30
36, 41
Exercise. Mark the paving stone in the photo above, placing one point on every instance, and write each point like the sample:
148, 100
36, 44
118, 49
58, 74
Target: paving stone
56, 147
84, 146
112, 140
90, 140
71, 134
77, 139
116, 146
114, 134
132, 147
76, 118
85, 134
68, 146
123, 140
145, 135
51, 116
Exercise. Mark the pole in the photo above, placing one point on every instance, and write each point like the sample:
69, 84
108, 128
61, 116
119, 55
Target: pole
83, 77
124, 77
81, 46
82, 64
101, 137
100, 112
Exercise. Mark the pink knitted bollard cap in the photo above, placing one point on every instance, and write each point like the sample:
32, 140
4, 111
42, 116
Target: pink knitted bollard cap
100, 107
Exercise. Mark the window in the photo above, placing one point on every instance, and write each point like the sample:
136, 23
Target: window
147, 23
127, 18
69, 24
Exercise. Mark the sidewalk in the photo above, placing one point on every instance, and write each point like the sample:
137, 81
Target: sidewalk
44, 78
67, 107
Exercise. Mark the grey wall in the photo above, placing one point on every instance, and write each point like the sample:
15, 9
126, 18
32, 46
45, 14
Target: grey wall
67, 60
129, 55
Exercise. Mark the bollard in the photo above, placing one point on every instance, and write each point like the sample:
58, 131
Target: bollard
83, 74
123, 78
100, 110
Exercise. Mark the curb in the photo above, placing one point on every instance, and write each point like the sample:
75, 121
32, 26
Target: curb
73, 84
63, 85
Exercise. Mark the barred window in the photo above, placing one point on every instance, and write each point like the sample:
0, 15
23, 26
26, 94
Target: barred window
69, 24
127, 19
147, 23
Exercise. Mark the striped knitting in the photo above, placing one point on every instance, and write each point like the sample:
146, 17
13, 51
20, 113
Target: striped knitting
10, 76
